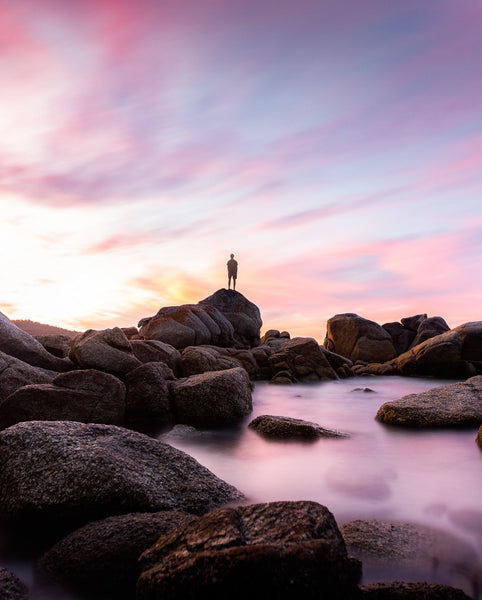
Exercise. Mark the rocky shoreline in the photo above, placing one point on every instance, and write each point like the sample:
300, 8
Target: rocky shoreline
118, 513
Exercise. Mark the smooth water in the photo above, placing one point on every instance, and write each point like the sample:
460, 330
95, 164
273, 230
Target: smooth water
431, 477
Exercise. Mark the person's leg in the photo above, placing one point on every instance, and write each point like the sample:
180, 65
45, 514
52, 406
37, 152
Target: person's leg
229, 282
234, 283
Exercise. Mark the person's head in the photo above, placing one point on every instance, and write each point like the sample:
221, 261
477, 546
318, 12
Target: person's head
232, 255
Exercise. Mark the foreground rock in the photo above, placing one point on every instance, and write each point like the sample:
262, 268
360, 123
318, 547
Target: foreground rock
213, 399
277, 550
287, 428
243, 315
453, 405
303, 359
14, 373
397, 590
357, 338
91, 472
103, 556
397, 547
88, 396
19, 344
188, 325
107, 350
11, 588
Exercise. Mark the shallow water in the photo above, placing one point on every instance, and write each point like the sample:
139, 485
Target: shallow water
432, 477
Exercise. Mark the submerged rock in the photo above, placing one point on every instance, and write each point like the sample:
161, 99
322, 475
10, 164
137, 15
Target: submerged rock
11, 588
430, 554
283, 550
397, 590
454, 405
91, 472
288, 428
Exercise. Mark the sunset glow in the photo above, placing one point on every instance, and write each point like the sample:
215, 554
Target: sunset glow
334, 147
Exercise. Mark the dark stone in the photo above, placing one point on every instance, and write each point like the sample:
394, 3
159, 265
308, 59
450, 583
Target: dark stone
148, 394
397, 590
104, 554
283, 550
288, 428
11, 588
402, 337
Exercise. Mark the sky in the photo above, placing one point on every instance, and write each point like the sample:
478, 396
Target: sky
334, 147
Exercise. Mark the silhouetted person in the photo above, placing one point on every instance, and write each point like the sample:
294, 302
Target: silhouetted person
232, 271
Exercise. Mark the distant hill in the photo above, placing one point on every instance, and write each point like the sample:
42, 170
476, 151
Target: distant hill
35, 328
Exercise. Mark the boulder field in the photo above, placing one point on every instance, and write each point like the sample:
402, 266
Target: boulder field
75, 473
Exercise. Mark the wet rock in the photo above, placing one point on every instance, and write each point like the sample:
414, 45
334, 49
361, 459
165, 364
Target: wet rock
283, 378
154, 351
288, 428
454, 405
357, 338
243, 315
103, 555
11, 588
90, 472
188, 325
303, 358
374, 369
15, 373
212, 399
418, 550
19, 344
148, 394
397, 590
107, 350
479, 437
199, 359
282, 550
87, 396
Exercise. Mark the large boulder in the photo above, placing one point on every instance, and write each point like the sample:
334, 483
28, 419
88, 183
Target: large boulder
14, 373
155, 351
417, 590
289, 428
283, 550
107, 350
11, 588
402, 337
243, 315
88, 396
199, 359
454, 405
188, 325
102, 557
407, 550
303, 359
357, 338
90, 472
439, 356
213, 399
148, 395
471, 334
20, 344
429, 328
57, 344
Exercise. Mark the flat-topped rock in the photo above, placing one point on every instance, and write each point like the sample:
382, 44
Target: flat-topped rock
454, 405
288, 428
